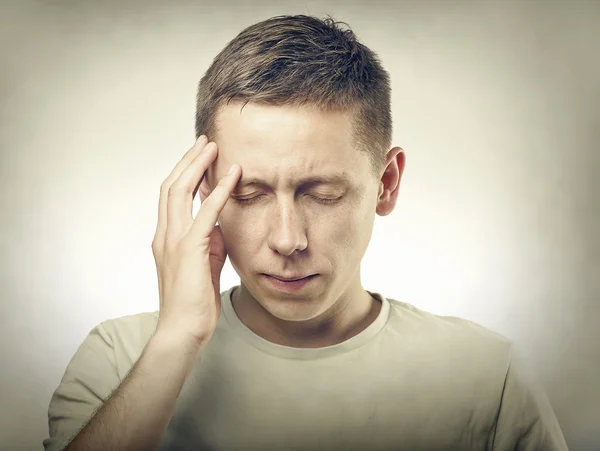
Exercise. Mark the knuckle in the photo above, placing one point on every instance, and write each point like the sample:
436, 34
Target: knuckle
171, 243
164, 187
173, 190
169, 249
156, 251
178, 188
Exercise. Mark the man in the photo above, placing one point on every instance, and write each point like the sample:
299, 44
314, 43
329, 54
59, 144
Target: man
299, 356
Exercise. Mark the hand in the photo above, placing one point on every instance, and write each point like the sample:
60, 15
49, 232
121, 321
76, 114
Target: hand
190, 253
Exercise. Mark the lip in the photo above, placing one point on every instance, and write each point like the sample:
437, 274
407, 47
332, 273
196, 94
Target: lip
290, 278
289, 287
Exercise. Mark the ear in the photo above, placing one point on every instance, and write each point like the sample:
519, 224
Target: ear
204, 189
389, 185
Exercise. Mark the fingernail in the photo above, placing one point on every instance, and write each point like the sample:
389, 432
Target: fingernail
231, 169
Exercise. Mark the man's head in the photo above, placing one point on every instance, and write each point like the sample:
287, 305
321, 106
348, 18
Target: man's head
302, 60
292, 99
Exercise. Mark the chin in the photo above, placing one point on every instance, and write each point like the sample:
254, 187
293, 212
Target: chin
294, 313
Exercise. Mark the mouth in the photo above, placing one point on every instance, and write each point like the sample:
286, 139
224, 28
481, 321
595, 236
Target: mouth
289, 285
294, 279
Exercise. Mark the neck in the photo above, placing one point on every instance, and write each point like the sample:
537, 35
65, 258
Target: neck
347, 317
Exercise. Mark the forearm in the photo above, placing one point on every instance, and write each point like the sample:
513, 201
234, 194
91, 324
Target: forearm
136, 415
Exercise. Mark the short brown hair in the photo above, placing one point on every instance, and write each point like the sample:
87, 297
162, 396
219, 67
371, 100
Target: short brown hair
302, 60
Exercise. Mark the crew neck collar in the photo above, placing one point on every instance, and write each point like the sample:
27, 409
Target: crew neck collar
290, 352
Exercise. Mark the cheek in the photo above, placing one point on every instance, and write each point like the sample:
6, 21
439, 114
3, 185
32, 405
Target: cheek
351, 232
241, 233
344, 234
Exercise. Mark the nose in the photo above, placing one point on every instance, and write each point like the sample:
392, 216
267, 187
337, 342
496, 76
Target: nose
287, 230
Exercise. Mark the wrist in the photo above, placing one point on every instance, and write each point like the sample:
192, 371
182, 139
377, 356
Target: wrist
177, 338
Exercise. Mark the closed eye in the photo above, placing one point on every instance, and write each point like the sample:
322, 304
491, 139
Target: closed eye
248, 200
251, 200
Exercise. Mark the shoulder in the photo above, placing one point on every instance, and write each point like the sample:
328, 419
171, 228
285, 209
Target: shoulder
137, 326
119, 340
458, 363
429, 325
98, 366
112, 347
452, 341
130, 333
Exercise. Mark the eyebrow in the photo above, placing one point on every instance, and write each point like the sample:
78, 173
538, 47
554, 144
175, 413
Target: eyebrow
336, 179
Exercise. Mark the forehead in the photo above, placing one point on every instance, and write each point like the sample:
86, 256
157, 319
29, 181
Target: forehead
288, 144
336, 179
293, 120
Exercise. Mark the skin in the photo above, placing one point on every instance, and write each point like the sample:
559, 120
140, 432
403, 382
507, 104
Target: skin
286, 230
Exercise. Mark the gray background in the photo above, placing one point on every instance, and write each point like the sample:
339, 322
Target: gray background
496, 104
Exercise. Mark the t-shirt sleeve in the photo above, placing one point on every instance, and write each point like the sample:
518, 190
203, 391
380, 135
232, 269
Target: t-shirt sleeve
526, 421
90, 378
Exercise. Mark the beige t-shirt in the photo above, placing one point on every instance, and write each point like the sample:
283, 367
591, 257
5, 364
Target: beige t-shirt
410, 381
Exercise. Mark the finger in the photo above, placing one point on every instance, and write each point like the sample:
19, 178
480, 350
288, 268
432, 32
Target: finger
179, 206
161, 227
212, 206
